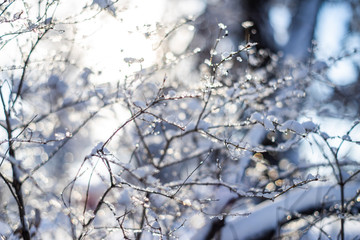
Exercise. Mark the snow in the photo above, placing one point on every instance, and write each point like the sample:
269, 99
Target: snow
267, 122
309, 126
268, 125
324, 135
106, 4
140, 104
204, 125
145, 171
131, 60
266, 215
346, 138
331, 227
222, 26
256, 117
293, 126
95, 149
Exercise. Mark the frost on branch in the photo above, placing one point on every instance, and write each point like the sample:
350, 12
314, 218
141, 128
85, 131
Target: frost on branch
106, 4
292, 125
135, 130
